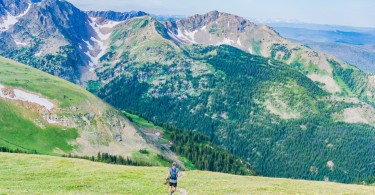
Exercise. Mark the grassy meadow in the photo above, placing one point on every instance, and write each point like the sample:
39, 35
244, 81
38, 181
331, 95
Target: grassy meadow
35, 174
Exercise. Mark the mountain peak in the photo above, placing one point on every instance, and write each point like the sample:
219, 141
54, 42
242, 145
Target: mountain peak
212, 28
219, 18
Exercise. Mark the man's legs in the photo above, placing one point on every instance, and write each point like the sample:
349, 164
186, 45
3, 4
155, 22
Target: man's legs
170, 189
174, 187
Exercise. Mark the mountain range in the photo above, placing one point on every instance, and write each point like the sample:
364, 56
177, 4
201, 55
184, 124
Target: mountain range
286, 109
351, 45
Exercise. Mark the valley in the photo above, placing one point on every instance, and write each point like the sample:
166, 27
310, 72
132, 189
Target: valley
232, 96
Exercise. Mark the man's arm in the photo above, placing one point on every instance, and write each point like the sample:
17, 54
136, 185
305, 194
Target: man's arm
179, 174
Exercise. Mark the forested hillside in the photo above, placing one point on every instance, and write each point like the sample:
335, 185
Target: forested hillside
240, 102
194, 150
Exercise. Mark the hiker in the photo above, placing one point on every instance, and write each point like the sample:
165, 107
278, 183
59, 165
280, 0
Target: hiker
172, 175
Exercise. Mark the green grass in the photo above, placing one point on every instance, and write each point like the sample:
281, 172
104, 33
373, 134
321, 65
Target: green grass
141, 121
344, 87
155, 160
16, 131
150, 157
93, 86
188, 164
18, 128
18, 75
33, 174
256, 46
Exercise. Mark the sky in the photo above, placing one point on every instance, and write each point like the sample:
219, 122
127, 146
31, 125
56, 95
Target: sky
359, 13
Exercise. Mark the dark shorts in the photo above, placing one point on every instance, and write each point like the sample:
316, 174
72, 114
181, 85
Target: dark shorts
173, 184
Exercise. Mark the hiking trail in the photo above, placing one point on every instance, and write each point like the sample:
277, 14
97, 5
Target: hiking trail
182, 191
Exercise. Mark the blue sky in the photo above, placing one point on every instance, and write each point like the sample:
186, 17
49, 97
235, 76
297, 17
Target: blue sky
340, 12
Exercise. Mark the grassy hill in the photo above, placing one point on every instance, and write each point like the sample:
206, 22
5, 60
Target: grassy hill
25, 174
43, 113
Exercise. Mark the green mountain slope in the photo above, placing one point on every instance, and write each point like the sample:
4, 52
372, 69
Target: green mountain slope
44, 114
22, 173
52, 116
263, 110
194, 150
217, 28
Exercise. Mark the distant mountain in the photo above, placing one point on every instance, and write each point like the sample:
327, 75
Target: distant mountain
56, 37
351, 45
217, 28
362, 56
164, 18
116, 16
319, 27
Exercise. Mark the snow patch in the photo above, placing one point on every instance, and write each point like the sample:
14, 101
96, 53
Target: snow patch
188, 36
51, 121
110, 24
38, 54
97, 27
250, 50
225, 41
88, 45
26, 97
191, 35
239, 42
171, 34
20, 43
102, 47
9, 20
94, 59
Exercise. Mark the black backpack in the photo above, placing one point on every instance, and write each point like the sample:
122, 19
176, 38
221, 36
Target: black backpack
173, 173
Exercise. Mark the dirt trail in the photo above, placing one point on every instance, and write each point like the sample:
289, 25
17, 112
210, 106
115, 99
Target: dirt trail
182, 190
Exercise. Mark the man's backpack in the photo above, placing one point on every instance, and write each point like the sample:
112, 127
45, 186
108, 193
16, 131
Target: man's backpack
173, 173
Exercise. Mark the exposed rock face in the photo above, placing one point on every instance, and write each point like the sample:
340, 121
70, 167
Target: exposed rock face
13, 7
47, 38
56, 37
7, 91
116, 16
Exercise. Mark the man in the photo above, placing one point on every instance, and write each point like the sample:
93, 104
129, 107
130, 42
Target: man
172, 175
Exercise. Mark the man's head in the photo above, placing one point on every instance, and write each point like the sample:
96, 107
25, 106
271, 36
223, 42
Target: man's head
174, 164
